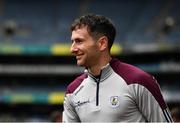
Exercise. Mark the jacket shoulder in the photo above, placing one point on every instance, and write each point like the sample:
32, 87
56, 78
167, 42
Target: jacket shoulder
75, 84
129, 73
134, 75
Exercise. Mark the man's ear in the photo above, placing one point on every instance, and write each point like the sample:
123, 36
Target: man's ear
103, 43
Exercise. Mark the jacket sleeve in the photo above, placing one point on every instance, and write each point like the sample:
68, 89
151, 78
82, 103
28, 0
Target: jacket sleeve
69, 113
150, 102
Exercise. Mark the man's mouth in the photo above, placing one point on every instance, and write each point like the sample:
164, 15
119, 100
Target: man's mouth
78, 57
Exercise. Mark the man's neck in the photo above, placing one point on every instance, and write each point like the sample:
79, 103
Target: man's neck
96, 69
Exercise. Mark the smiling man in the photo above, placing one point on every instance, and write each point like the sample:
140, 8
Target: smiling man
109, 90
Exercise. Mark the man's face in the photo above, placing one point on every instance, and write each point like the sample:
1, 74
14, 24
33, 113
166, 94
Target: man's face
84, 47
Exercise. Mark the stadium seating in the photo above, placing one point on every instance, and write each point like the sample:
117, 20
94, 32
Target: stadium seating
37, 32
48, 22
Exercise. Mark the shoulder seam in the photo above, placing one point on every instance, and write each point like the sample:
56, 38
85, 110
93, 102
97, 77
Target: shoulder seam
75, 84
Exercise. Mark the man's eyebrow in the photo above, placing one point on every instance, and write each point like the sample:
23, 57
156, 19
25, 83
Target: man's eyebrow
77, 39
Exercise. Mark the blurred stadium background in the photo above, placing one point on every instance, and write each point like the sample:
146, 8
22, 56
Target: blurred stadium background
36, 65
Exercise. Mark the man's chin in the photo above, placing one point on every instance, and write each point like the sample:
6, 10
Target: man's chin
80, 64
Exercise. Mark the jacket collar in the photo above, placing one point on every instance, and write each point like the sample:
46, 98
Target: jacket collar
106, 71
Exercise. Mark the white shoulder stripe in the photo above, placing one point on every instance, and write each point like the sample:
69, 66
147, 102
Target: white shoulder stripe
167, 115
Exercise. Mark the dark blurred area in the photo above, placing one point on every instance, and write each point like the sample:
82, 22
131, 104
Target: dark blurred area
36, 65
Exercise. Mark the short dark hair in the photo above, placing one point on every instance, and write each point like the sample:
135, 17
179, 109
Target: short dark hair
97, 26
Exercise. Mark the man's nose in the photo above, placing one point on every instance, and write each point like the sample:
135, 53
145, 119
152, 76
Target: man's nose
73, 49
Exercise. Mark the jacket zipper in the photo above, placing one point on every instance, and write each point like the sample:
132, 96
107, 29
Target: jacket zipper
97, 90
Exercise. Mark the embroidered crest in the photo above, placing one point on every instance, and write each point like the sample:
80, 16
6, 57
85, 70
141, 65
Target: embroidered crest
114, 101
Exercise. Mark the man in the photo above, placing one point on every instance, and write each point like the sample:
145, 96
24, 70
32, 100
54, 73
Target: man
109, 90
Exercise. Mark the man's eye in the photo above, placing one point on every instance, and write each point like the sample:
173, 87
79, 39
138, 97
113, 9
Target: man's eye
79, 41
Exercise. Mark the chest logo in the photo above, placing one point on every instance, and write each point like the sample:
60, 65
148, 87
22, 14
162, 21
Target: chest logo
80, 103
114, 101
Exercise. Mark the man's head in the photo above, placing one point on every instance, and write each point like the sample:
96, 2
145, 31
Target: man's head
92, 38
97, 26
